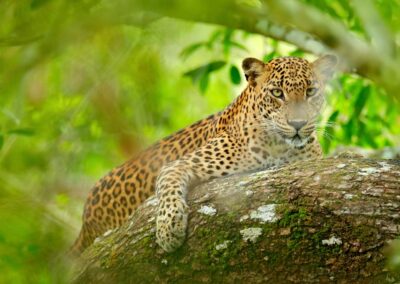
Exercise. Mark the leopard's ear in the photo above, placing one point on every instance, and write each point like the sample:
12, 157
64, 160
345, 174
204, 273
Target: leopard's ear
324, 66
252, 68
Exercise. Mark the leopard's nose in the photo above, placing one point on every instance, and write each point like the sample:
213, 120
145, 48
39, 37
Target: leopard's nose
297, 124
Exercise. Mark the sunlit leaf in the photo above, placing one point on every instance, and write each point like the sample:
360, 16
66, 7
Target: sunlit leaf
269, 56
62, 199
235, 75
297, 53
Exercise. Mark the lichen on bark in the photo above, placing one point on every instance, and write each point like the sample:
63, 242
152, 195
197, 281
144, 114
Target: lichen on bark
323, 221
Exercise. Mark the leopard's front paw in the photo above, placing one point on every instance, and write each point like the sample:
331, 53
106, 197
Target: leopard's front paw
171, 225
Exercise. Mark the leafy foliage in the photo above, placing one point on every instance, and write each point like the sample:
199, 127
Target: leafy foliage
201, 74
353, 103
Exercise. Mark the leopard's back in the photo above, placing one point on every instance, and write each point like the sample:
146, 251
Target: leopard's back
271, 123
115, 196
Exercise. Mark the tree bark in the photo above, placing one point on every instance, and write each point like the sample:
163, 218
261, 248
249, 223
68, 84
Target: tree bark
311, 222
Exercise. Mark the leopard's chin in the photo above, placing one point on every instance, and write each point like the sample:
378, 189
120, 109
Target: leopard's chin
296, 141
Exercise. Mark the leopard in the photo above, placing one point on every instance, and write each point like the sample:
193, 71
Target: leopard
272, 122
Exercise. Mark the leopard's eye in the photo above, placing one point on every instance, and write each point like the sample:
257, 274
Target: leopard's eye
278, 93
311, 92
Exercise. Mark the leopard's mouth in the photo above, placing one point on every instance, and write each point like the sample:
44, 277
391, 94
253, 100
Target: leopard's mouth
297, 141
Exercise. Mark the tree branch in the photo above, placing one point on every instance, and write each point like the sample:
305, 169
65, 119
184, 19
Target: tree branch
240, 16
307, 222
291, 21
356, 53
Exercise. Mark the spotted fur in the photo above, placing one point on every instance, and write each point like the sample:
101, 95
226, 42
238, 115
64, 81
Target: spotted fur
271, 123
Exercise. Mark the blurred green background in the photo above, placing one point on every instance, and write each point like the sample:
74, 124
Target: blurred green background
86, 84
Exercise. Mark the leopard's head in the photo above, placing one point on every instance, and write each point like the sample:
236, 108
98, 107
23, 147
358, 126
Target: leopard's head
289, 94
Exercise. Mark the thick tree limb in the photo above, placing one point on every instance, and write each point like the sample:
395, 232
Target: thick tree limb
232, 14
330, 220
294, 22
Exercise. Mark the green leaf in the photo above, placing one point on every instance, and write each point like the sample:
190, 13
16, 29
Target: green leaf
214, 66
1, 141
239, 46
364, 136
235, 75
227, 40
297, 52
371, 141
213, 38
361, 100
197, 74
189, 50
22, 131
62, 199
201, 73
269, 56
348, 130
203, 84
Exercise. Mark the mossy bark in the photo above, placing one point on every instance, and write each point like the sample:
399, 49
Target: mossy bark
316, 221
